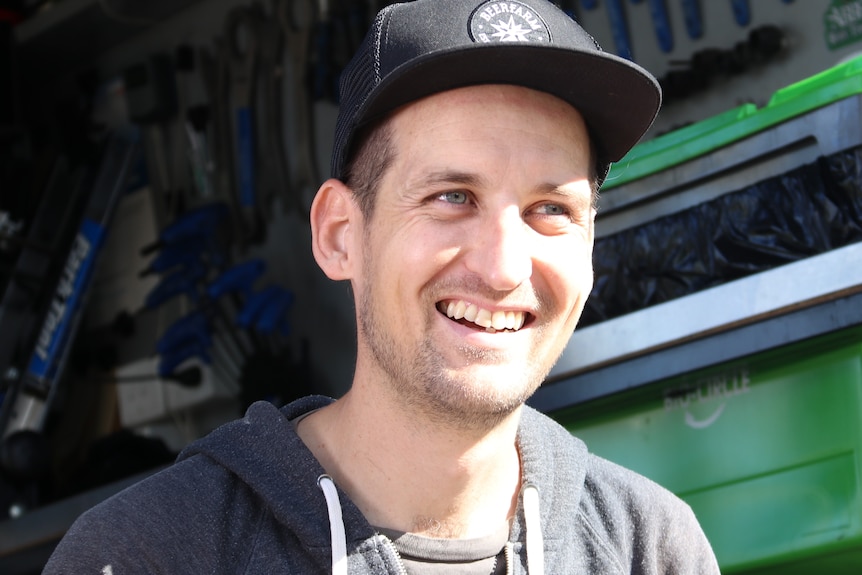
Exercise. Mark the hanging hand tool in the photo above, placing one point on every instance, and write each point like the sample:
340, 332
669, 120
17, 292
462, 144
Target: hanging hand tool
177, 255
661, 24
196, 327
297, 18
275, 170
693, 19
619, 28
151, 99
237, 282
185, 68
741, 12
273, 317
239, 279
215, 73
243, 41
255, 305
185, 281
266, 313
203, 227
200, 163
52, 347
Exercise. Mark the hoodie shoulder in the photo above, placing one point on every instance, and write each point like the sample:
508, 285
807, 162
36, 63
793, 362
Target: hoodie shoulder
604, 517
249, 480
647, 527
165, 523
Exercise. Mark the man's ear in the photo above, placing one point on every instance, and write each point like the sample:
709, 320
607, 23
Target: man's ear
333, 212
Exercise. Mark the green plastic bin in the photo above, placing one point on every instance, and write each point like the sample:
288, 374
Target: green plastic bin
766, 450
699, 139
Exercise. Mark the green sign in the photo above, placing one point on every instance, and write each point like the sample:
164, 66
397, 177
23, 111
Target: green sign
842, 23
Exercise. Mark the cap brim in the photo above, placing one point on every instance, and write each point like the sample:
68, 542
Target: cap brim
617, 100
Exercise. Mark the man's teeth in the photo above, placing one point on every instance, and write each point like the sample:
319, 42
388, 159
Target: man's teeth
491, 321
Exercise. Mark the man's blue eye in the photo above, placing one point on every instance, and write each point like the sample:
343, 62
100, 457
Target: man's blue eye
553, 210
454, 197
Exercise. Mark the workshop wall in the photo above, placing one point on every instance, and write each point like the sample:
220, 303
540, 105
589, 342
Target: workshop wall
806, 25
324, 315
96, 42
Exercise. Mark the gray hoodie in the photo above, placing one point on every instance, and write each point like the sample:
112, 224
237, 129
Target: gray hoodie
248, 499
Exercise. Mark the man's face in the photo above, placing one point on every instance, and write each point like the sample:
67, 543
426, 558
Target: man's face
476, 262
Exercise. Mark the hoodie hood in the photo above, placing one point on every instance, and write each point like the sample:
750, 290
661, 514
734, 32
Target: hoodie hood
255, 449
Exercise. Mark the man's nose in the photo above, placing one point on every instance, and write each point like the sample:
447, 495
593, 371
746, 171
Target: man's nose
501, 251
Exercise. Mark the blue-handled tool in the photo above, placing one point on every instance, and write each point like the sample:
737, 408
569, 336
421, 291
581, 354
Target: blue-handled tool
194, 223
237, 283
693, 18
181, 282
661, 24
177, 255
619, 28
65, 310
741, 12
255, 305
196, 327
274, 315
589, 4
242, 37
237, 279
191, 327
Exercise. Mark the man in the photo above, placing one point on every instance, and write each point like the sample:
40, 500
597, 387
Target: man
471, 140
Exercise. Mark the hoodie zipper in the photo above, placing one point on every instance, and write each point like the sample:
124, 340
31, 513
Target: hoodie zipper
508, 551
402, 570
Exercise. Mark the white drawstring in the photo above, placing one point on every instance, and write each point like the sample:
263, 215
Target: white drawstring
336, 525
535, 541
530, 496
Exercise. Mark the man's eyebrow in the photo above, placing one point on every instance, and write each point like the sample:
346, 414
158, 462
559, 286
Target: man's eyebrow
438, 177
561, 191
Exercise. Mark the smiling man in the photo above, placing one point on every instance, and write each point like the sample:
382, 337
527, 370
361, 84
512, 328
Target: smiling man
471, 141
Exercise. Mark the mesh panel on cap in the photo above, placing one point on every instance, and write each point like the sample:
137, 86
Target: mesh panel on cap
355, 85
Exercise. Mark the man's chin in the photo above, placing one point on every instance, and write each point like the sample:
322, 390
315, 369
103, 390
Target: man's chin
495, 390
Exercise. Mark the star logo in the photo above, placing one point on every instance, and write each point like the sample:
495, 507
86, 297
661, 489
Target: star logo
508, 31
510, 22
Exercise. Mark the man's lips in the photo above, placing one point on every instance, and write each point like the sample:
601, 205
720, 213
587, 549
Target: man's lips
492, 321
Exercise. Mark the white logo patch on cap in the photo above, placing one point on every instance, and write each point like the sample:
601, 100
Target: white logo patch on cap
507, 22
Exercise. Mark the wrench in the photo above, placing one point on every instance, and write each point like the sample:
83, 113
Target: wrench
619, 28
693, 19
661, 23
741, 12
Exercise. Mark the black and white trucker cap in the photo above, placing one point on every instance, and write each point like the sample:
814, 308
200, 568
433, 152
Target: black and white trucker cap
423, 47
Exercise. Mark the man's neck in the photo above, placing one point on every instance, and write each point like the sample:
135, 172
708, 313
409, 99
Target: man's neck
406, 473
